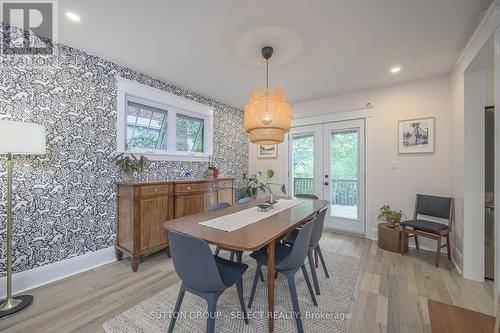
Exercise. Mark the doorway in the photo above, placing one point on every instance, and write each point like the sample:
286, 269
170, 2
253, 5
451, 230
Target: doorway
328, 160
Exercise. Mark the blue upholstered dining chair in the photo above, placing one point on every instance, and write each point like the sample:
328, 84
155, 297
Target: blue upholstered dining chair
204, 275
245, 200
313, 246
289, 260
307, 196
218, 206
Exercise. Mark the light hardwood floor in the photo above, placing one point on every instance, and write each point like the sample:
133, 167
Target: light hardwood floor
391, 292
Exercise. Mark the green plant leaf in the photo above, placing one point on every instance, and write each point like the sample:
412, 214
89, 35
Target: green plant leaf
270, 173
283, 189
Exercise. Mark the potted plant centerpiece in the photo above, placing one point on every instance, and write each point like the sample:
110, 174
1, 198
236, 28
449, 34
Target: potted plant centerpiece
254, 184
131, 165
392, 217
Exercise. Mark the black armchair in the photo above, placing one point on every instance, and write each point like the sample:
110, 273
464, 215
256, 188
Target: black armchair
433, 206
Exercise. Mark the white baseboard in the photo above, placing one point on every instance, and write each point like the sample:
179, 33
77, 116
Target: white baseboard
456, 252
59, 270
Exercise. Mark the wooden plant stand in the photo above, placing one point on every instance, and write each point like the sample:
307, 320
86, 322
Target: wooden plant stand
389, 238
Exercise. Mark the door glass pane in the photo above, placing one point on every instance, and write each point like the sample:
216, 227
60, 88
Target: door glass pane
303, 164
344, 148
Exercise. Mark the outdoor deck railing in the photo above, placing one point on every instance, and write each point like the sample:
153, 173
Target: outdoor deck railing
344, 191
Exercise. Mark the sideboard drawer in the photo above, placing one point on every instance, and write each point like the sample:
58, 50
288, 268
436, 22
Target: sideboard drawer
224, 183
155, 190
195, 187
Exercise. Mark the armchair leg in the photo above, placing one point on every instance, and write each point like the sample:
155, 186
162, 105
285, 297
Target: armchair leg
416, 243
438, 251
404, 239
448, 246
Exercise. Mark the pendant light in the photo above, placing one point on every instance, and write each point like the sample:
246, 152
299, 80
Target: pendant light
268, 116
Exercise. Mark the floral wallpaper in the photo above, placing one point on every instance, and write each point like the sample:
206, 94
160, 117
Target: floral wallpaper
64, 201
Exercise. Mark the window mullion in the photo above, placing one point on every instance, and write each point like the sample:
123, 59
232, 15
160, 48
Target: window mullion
171, 132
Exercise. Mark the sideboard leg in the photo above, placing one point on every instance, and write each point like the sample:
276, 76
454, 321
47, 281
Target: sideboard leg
135, 263
118, 254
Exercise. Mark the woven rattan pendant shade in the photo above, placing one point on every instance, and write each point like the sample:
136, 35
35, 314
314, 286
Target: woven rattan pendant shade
268, 116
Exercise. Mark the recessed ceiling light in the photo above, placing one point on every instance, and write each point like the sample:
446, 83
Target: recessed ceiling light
395, 70
73, 17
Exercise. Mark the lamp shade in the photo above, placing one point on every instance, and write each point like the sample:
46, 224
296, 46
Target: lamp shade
268, 116
18, 137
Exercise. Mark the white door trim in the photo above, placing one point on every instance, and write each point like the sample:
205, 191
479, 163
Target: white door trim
357, 226
360, 113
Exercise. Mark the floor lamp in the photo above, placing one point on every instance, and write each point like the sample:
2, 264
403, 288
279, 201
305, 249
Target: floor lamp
17, 138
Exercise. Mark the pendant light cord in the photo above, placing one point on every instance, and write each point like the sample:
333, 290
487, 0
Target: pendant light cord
267, 73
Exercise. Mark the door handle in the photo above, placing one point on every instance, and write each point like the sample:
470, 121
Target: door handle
326, 176
326, 183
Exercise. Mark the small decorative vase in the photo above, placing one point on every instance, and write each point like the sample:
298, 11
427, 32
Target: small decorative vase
215, 173
128, 177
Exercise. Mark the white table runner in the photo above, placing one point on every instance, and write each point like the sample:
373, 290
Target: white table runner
249, 216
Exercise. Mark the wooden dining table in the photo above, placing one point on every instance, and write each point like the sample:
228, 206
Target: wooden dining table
264, 233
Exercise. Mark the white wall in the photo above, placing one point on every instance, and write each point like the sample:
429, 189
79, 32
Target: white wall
457, 164
430, 174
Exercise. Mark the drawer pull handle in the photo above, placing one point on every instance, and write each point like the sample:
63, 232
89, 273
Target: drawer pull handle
189, 187
156, 190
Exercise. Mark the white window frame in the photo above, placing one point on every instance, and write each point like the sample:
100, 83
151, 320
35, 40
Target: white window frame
128, 90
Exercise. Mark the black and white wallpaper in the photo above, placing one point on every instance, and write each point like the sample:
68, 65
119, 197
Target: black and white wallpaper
64, 202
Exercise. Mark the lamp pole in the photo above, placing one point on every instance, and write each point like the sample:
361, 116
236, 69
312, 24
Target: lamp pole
26, 139
10, 302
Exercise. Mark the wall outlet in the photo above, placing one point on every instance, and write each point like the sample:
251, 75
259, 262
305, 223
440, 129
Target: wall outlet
394, 165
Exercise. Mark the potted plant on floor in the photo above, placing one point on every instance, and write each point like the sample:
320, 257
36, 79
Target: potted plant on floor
390, 216
131, 165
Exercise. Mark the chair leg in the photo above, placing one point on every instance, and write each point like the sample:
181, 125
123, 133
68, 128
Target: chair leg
416, 242
448, 246
295, 301
404, 239
217, 250
239, 288
175, 314
316, 259
306, 277
313, 272
323, 263
438, 251
261, 275
275, 275
232, 256
239, 256
254, 285
212, 312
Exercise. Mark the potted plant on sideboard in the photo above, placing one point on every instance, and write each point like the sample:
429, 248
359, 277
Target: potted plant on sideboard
130, 165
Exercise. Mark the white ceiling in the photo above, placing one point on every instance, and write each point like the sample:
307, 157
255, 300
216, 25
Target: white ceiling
322, 47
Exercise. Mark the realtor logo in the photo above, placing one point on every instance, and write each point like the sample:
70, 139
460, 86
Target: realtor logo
28, 28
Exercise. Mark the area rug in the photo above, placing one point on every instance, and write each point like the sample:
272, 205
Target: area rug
331, 314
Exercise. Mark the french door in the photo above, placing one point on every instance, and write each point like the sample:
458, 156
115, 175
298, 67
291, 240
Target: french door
327, 160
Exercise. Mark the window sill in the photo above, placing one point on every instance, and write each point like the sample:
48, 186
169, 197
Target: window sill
176, 157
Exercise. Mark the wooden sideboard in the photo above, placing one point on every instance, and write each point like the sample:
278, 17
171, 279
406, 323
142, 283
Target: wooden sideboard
143, 207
